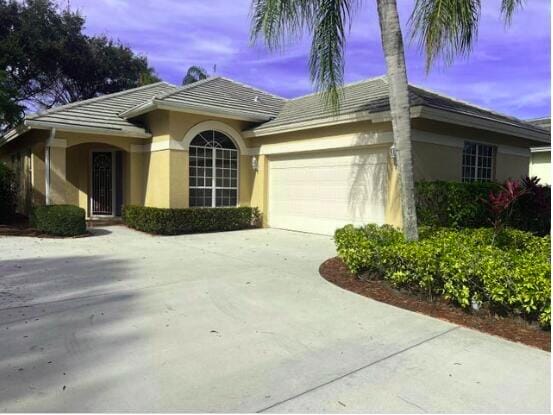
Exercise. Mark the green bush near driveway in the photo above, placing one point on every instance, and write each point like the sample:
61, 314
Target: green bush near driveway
453, 204
464, 205
60, 220
191, 220
8, 193
510, 273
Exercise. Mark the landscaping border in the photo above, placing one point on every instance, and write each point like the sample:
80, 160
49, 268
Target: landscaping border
514, 329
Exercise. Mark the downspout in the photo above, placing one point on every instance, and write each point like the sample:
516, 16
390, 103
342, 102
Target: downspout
47, 163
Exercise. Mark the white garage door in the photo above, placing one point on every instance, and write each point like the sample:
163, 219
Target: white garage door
323, 191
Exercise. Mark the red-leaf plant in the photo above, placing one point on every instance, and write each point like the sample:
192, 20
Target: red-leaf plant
501, 204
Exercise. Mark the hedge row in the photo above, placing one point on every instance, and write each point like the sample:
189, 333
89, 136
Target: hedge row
61, 220
196, 220
463, 205
510, 273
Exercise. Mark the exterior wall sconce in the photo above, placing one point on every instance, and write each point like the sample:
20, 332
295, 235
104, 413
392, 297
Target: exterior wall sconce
393, 155
255, 164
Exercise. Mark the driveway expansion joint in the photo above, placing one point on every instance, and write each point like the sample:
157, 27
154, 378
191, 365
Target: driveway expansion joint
352, 372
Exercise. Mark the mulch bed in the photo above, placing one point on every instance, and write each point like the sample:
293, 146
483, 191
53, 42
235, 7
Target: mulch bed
510, 328
20, 227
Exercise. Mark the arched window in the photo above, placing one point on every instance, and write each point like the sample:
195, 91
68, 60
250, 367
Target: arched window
213, 170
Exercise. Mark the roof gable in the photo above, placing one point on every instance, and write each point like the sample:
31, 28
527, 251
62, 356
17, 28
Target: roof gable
217, 95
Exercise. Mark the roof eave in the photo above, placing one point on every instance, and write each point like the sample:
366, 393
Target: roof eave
126, 132
545, 149
375, 117
14, 133
474, 121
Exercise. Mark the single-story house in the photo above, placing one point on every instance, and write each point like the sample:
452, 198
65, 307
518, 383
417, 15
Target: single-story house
218, 142
540, 157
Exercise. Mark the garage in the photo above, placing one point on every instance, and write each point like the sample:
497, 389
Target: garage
319, 192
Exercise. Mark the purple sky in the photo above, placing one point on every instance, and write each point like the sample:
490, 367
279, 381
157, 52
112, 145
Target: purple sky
508, 71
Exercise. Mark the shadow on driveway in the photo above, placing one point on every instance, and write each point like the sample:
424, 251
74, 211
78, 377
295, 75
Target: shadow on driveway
59, 320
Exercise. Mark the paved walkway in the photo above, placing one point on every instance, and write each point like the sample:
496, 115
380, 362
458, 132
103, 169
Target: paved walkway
239, 321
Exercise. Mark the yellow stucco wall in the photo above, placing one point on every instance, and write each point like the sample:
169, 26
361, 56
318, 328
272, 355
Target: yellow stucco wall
393, 203
78, 154
166, 171
32, 146
511, 166
436, 162
156, 170
540, 166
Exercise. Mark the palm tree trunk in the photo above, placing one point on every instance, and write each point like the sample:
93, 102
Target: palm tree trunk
392, 44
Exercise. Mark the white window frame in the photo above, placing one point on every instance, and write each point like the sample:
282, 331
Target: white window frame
478, 154
214, 168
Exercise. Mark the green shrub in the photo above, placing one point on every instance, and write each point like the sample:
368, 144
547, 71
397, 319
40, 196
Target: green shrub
193, 220
452, 204
464, 205
361, 248
533, 210
510, 272
61, 220
8, 193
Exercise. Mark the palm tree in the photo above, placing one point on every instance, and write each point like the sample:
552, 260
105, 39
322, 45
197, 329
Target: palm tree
194, 74
444, 28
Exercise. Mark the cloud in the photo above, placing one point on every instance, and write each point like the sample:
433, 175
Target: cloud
508, 70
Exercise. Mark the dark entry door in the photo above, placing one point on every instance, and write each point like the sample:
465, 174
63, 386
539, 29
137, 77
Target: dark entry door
102, 183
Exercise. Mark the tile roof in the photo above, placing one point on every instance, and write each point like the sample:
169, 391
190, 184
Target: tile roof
225, 94
371, 96
543, 122
218, 95
101, 112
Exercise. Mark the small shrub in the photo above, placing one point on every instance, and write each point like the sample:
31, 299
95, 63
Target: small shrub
8, 193
361, 248
510, 272
501, 205
193, 220
61, 220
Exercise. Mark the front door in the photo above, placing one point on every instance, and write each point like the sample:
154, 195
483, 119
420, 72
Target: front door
102, 195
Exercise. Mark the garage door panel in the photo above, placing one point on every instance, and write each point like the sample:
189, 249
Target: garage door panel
321, 192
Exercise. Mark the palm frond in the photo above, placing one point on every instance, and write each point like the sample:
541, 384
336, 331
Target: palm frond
279, 21
326, 62
445, 28
508, 8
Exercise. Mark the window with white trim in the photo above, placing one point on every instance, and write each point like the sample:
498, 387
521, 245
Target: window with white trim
213, 170
478, 162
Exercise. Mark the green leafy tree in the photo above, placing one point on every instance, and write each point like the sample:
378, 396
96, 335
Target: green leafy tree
444, 28
194, 74
47, 60
10, 111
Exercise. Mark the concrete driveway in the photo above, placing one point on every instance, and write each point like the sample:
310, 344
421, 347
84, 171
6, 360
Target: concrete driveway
239, 321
